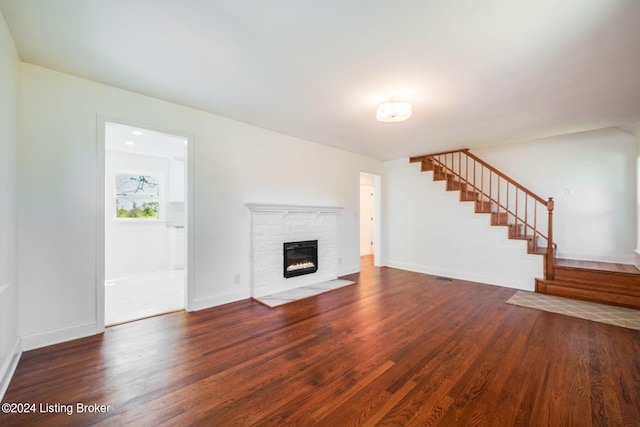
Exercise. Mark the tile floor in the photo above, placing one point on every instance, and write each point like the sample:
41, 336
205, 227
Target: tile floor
619, 316
284, 297
137, 296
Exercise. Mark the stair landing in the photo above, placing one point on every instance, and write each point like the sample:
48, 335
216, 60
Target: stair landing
594, 265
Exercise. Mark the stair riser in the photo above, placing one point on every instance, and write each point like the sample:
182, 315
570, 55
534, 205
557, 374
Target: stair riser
439, 176
515, 230
456, 186
483, 207
596, 277
605, 287
499, 218
427, 165
466, 196
615, 296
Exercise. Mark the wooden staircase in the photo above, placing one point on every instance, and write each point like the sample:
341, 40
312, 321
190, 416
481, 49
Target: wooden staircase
510, 204
529, 217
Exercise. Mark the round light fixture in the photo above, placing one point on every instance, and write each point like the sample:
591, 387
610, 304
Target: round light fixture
393, 110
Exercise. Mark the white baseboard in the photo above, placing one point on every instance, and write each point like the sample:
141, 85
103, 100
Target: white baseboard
202, 303
8, 367
56, 336
525, 284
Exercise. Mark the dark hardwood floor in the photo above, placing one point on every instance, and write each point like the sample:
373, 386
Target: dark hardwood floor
397, 348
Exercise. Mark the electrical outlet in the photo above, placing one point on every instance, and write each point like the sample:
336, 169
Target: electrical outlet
236, 279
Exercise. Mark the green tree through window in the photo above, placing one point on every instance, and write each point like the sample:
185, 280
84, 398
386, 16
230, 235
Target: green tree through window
137, 196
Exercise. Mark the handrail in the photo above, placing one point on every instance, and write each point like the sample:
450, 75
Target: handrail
415, 159
467, 169
504, 176
501, 175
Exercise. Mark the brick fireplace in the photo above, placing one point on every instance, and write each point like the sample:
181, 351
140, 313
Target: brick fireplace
274, 225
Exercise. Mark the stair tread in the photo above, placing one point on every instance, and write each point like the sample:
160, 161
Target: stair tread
523, 236
539, 251
595, 265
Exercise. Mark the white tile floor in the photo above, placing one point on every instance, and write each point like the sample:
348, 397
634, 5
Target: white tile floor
137, 296
284, 297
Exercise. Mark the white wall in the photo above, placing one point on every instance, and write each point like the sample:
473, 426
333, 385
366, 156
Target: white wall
9, 88
134, 246
234, 163
427, 229
591, 176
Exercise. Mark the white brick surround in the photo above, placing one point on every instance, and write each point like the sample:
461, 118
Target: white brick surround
272, 226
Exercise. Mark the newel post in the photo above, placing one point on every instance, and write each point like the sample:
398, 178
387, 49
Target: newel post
549, 255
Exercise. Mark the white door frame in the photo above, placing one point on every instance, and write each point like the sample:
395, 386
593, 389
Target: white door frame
102, 120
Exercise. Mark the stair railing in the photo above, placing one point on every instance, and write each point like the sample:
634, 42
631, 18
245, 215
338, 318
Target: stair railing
508, 202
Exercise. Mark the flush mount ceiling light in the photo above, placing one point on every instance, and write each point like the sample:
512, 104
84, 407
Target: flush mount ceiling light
393, 110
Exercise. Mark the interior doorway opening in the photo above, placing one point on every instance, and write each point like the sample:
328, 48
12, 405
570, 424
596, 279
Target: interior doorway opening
367, 214
370, 218
145, 211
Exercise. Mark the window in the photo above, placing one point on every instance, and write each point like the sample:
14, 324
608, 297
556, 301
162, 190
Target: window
137, 196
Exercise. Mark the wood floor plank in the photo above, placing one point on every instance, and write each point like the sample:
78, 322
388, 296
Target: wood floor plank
397, 348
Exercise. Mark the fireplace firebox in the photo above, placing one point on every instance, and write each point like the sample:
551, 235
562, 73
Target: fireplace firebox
300, 258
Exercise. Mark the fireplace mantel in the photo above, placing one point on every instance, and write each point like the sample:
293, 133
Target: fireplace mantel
262, 207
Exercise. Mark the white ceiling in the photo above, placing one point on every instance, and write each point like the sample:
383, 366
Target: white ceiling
477, 72
130, 139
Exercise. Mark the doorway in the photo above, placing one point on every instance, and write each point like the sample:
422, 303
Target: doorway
367, 214
145, 256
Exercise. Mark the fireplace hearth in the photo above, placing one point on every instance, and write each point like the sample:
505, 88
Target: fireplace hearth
300, 258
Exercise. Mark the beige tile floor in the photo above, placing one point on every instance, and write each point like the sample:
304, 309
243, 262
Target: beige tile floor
619, 316
137, 296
